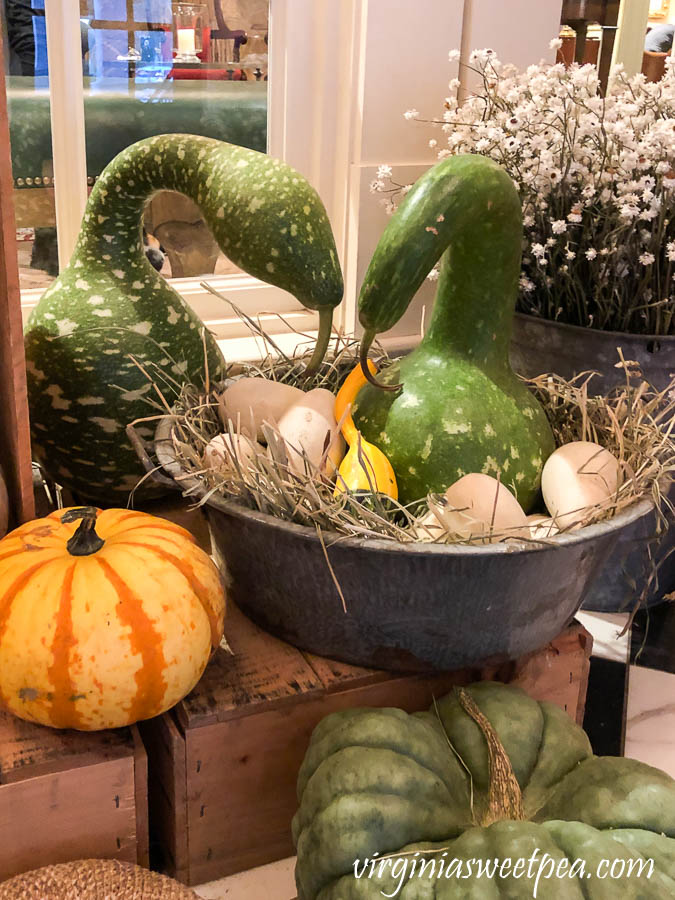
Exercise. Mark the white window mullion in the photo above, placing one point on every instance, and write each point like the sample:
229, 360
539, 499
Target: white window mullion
66, 93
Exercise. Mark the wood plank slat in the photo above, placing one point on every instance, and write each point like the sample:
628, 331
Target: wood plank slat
27, 750
167, 788
15, 451
64, 816
141, 797
261, 670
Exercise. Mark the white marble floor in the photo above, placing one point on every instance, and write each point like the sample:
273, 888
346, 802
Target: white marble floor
649, 737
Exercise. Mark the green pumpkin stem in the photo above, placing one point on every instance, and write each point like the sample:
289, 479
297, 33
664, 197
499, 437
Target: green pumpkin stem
505, 799
322, 340
366, 341
85, 541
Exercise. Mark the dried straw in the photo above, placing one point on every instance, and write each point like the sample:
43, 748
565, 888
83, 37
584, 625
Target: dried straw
634, 422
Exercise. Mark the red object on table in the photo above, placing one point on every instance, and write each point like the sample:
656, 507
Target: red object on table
206, 74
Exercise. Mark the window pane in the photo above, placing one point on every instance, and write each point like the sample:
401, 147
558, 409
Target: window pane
25, 58
156, 67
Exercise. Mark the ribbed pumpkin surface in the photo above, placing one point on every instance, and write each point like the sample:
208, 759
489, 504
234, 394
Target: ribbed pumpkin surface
105, 639
380, 782
93, 879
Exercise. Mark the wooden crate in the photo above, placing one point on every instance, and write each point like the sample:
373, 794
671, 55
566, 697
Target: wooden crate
223, 763
68, 795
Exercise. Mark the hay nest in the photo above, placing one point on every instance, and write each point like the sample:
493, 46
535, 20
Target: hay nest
634, 422
93, 879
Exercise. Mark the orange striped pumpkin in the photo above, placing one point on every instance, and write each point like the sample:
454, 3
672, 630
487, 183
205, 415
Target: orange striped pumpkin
106, 617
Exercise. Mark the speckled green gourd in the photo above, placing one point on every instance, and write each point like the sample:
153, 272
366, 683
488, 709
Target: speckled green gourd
110, 305
380, 781
461, 409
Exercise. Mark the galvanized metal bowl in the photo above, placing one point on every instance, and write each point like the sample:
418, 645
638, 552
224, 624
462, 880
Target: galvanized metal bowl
408, 607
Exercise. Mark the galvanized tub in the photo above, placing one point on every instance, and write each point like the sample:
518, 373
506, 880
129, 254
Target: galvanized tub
406, 607
539, 345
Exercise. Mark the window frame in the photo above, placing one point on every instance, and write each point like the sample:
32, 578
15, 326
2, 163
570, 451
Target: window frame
332, 116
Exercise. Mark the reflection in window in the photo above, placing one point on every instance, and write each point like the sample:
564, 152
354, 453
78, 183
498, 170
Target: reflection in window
26, 71
156, 67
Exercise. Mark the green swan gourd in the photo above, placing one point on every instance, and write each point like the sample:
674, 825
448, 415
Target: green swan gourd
110, 305
489, 773
461, 408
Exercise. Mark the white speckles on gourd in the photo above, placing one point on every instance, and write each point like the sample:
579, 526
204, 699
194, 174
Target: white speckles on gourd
56, 394
65, 326
91, 401
489, 431
118, 273
173, 316
82, 285
143, 328
138, 286
426, 450
103, 313
95, 300
456, 427
108, 425
515, 454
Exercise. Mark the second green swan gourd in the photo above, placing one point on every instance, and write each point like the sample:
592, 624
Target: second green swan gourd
110, 305
461, 408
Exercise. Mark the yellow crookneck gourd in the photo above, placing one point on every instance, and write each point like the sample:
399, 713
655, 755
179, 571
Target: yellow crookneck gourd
364, 467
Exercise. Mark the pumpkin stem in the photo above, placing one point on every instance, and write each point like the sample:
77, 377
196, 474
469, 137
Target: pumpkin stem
505, 799
85, 541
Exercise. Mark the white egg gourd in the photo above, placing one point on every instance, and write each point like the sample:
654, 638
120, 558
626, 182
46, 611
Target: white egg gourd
308, 426
250, 402
578, 479
541, 527
479, 506
429, 528
222, 450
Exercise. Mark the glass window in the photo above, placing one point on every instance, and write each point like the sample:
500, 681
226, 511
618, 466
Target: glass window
27, 79
155, 67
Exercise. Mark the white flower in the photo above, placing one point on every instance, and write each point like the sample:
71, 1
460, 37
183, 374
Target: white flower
526, 285
591, 253
433, 143
411, 113
384, 172
570, 254
555, 44
670, 250
433, 275
454, 55
375, 186
574, 217
538, 250
646, 258
558, 226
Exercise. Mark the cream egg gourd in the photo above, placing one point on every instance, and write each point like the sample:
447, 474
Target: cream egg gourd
309, 425
222, 450
579, 478
250, 402
478, 505
541, 527
428, 528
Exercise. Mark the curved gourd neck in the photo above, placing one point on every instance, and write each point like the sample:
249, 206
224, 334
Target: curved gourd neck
476, 297
114, 217
263, 214
466, 211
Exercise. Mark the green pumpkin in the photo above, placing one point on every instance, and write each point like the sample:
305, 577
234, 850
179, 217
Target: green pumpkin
461, 408
109, 307
488, 773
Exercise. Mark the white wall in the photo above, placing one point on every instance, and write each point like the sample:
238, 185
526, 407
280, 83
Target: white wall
405, 65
